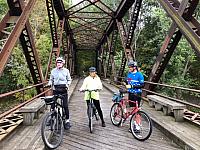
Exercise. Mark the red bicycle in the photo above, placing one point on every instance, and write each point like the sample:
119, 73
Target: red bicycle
140, 122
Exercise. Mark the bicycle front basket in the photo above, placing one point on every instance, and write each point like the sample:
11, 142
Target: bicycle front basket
116, 97
49, 100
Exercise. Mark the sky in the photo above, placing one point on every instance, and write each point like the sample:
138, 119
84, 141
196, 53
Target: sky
75, 1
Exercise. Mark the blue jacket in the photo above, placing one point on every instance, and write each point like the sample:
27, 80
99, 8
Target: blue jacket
135, 79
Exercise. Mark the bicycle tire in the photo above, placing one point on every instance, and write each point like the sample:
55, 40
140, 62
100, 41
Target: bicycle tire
116, 110
90, 116
52, 127
144, 126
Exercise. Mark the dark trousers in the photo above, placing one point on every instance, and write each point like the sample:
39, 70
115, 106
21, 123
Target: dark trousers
134, 97
65, 101
98, 107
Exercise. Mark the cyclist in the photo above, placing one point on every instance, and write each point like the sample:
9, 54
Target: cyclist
134, 81
93, 82
60, 79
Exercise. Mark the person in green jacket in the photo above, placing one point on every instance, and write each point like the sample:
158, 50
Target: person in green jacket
93, 82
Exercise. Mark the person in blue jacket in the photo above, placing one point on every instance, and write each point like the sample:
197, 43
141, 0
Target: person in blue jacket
134, 83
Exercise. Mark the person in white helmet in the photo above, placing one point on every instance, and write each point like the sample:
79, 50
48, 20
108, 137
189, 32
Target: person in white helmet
60, 80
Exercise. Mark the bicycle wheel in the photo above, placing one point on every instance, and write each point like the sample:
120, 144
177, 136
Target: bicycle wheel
116, 114
141, 126
52, 130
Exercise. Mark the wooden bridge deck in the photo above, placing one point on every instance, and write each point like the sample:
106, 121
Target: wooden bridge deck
104, 138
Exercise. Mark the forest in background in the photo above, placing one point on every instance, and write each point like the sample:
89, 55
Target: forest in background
153, 25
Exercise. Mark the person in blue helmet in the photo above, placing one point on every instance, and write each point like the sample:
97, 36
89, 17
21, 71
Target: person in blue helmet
134, 81
93, 82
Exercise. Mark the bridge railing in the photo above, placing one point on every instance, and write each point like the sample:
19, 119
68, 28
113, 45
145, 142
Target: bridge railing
22, 95
175, 88
118, 83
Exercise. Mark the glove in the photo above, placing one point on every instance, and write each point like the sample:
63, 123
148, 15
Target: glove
128, 86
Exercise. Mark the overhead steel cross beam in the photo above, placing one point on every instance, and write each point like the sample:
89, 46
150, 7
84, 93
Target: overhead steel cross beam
87, 26
86, 23
119, 14
16, 31
93, 3
68, 13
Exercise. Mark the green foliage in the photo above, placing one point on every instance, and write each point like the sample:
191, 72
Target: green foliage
3, 8
86, 59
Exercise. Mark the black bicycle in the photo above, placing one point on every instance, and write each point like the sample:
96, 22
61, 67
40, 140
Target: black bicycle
52, 126
91, 110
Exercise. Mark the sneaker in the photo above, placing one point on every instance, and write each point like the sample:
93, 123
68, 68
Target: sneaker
136, 128
67, 126
103, 124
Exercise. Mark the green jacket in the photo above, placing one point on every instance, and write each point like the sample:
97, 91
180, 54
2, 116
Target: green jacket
91, 83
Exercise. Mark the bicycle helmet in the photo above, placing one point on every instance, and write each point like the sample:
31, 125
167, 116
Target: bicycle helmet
92, 69
132, 64
60, 59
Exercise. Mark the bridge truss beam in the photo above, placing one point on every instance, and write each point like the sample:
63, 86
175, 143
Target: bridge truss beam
16, 25
184, 23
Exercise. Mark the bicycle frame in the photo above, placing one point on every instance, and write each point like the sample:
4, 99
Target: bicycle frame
60, 105
91, 110
91, 100
124, 103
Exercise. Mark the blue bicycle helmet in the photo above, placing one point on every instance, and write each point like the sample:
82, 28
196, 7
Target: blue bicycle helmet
92, 69
132, 64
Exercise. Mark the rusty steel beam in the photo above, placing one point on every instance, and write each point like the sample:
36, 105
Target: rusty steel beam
111, 48
76, 5
119, 14
12, 39
187, 28
61, 29
171, 37
123, 36
55, 50
67, 13
52, 22
85, 25
101, 18
86, 12
88, 22
133, 23
31, 55
170, 42
59, 8
93, 3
